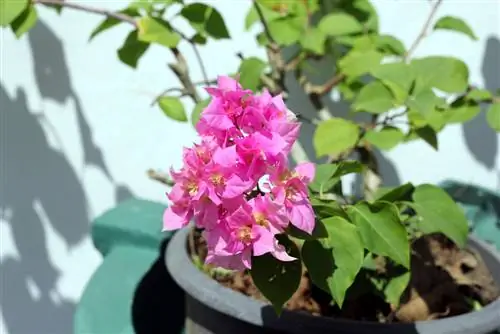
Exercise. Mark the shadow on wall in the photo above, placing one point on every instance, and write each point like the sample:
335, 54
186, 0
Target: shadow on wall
480, 139
34, 172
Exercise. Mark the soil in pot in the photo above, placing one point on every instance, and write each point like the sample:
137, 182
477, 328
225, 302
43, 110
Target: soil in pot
446, 281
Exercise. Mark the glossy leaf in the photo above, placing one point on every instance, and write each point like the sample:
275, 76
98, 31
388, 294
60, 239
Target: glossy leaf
493, 116
111, 22
327, 175
11, 10
334, 263
334, 136
390, 44
374, 98
132, 49
287, 30
462, 111
401, 193
173, 108
385, 138
154, 30
478, 95
252, 16
338, 24
250, 71
381, 230
395, 288
24, 22
439, 213
357, 63
448, 74
314, 41
455, 24
277, 280
206, 20
398, 77
428, 134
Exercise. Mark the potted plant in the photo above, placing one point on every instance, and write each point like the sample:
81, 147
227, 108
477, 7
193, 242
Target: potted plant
397, 260
391, 260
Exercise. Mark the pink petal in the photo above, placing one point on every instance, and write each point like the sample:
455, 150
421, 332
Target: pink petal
175, 218
306, 171
265, 243
302, 216
280, 253
235, 186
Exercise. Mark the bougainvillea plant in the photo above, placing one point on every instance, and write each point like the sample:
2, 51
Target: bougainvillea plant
236, 184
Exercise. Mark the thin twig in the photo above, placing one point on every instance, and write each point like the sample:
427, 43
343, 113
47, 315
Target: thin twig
107, 13
160, 177
267, 31
311, 89
424, 31
197, 54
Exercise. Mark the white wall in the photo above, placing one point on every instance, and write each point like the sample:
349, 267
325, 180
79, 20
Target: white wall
78, 135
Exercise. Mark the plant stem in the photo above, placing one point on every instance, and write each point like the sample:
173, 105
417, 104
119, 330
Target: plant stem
85, 8
424, 30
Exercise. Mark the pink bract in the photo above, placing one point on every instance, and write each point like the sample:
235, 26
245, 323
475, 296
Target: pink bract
244, 138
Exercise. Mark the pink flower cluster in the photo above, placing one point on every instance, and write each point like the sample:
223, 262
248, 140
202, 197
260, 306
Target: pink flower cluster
235, 183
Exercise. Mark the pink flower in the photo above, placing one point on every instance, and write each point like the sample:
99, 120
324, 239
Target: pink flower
291, 190
245, 139
245, 233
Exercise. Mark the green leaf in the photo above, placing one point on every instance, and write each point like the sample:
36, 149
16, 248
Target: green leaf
335, 136
24, 22
206, 20
390, 44
448, 74
250, 71
399, 77
286, 30
357, 63
428, 134
314, 41
385, 138
479, 95
327, 175
132, 49
381, 230
327, 208
155, 30
462, 111
173, 108
338, 24
334, 263
350, 89
318, 232
374, 98
277, 280
493, 116
395, 288
199, 39
455, 24
424, 102
110, 22
198, 108
323, 179
401, 193
11, 10
252, 16
439, 213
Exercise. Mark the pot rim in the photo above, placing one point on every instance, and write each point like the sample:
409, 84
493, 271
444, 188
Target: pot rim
237, 305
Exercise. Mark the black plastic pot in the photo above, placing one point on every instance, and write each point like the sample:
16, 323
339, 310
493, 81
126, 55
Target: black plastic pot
214, 309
